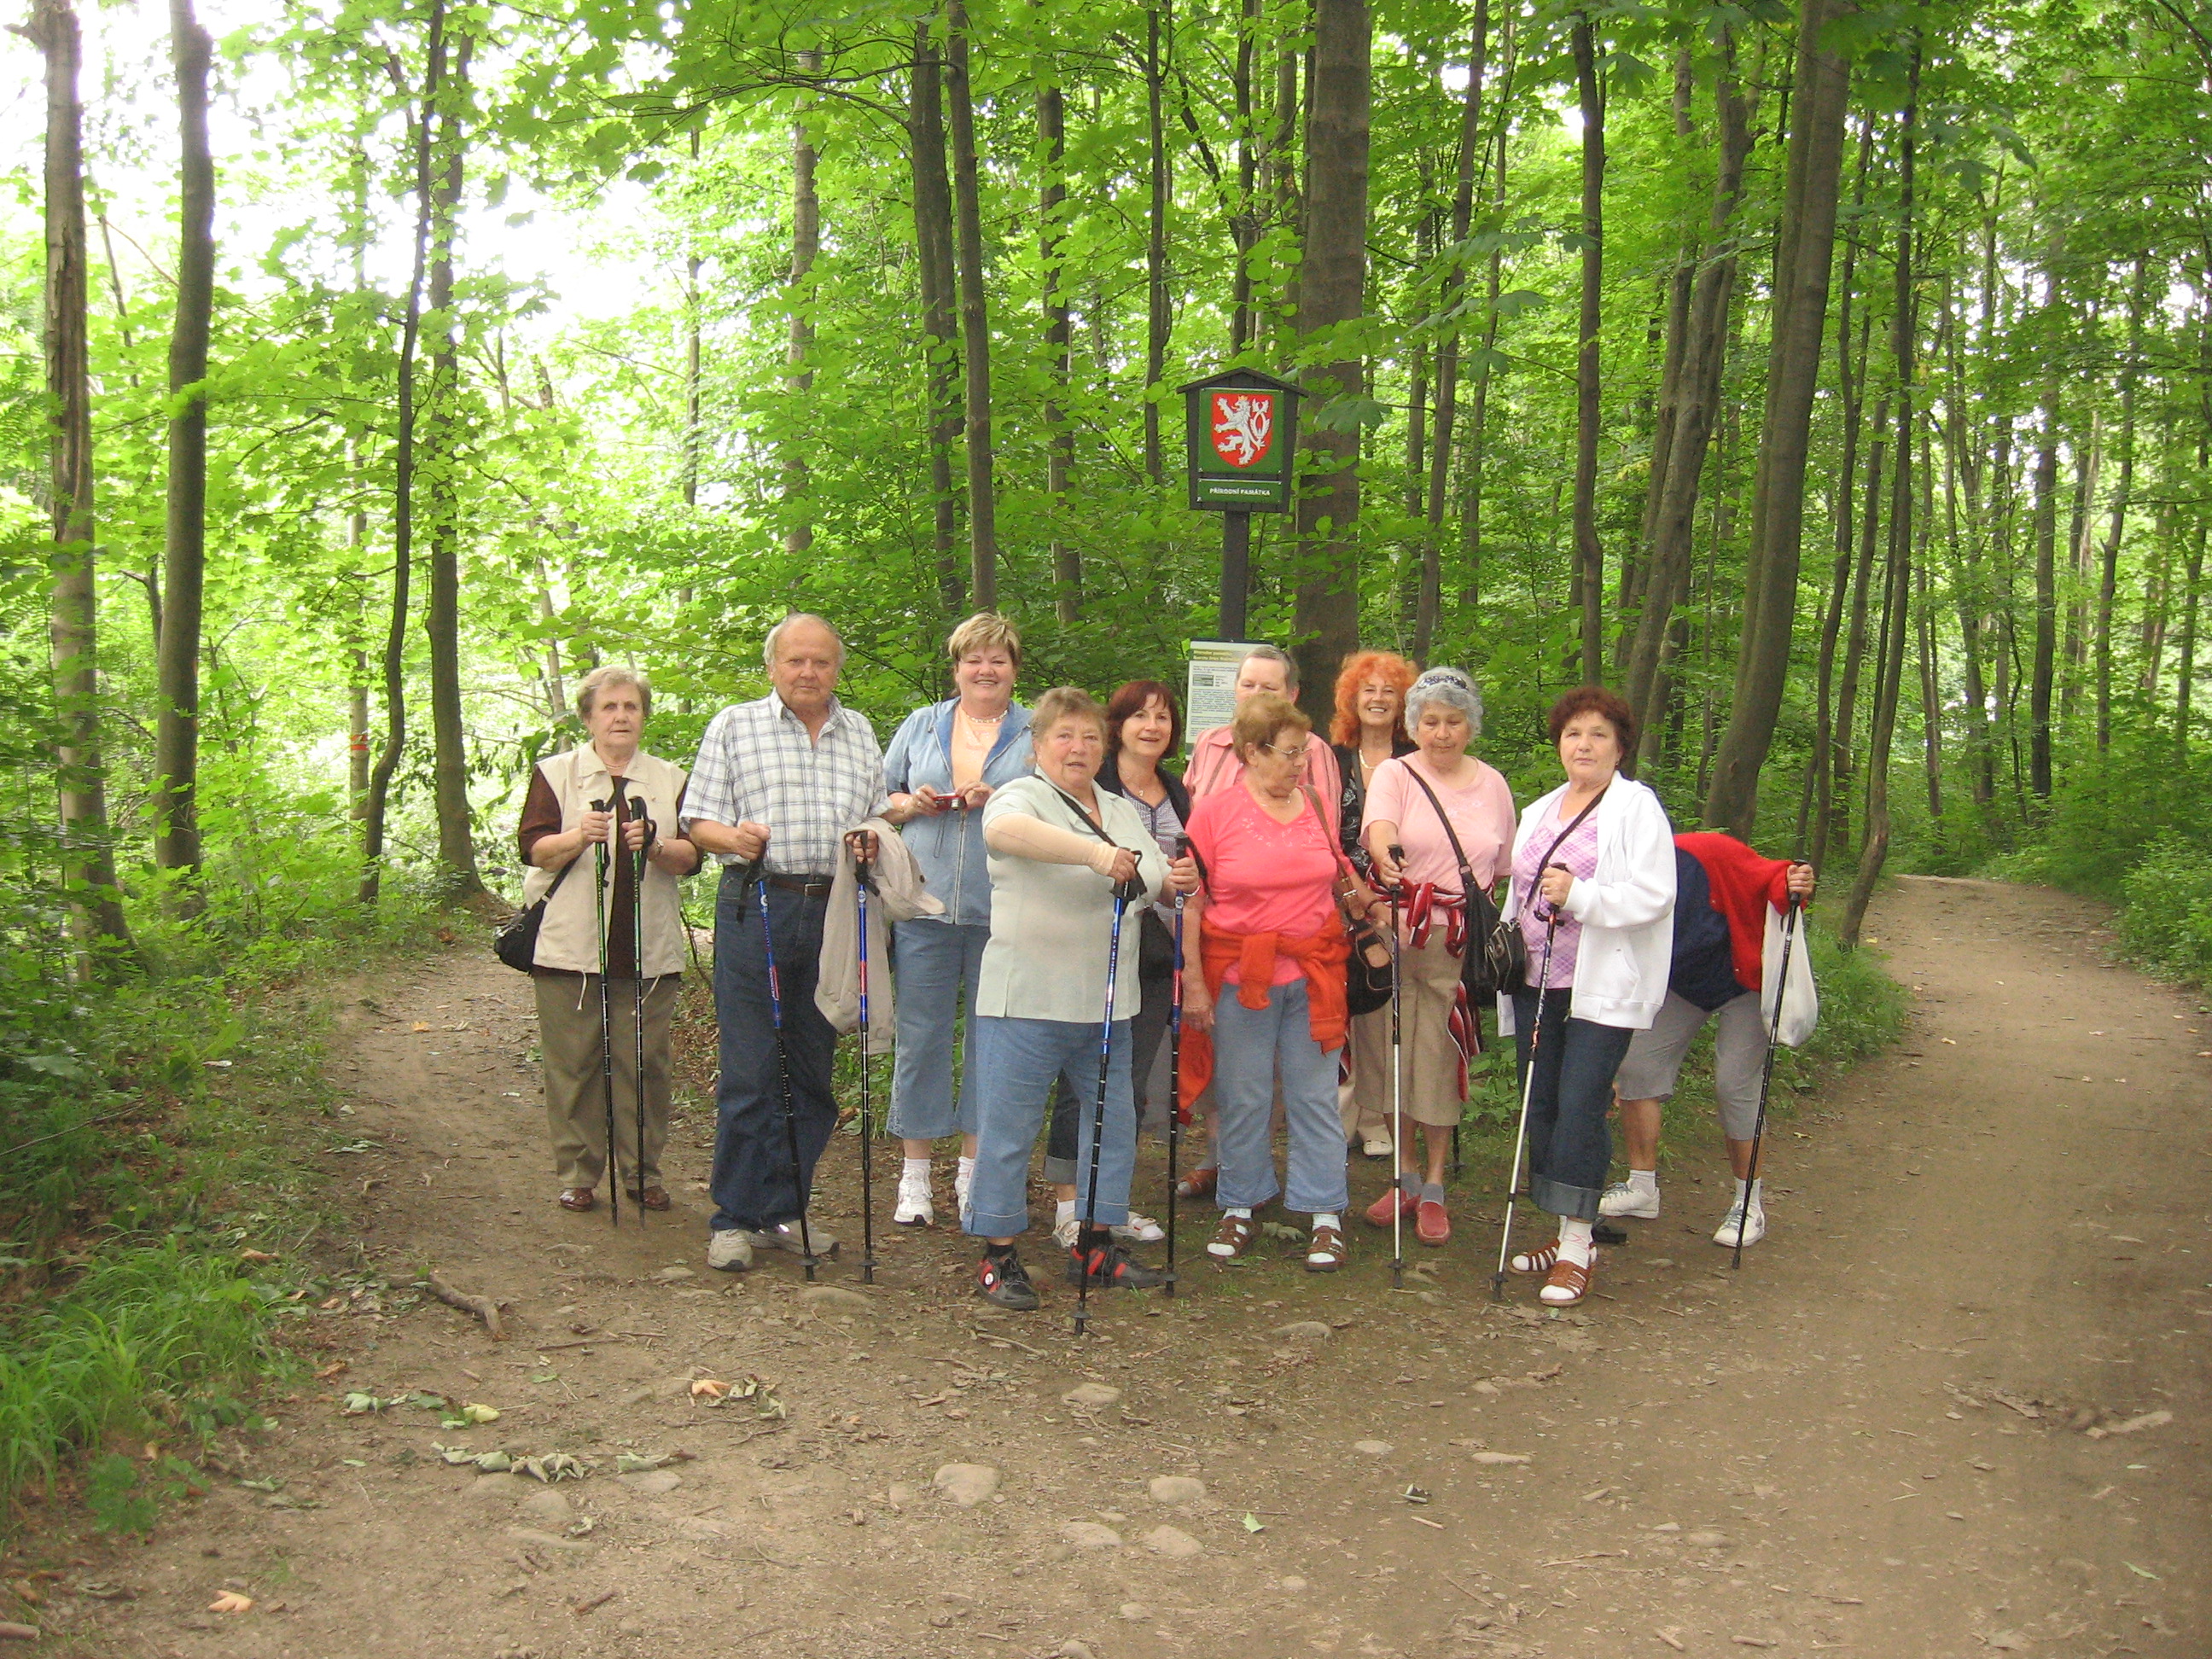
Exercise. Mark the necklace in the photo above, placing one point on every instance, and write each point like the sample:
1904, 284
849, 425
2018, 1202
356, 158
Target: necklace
979, 723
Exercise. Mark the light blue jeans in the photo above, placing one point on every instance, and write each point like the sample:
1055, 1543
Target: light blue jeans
933, 962
1014, 1062
1250, 1046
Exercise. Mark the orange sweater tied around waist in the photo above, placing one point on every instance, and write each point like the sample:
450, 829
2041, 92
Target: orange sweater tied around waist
1320, 956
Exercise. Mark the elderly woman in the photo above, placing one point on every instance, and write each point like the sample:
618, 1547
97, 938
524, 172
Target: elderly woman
1368, 729
942, 766
1428, 814
609, 794
1271, 992
1594, 894
1059, 847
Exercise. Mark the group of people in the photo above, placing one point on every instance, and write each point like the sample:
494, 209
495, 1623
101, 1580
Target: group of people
1053, 839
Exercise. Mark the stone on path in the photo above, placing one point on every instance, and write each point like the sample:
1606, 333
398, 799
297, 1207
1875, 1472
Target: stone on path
1495, 1458
967, 1484
1176, 1490
1091, 1396
544, 1504
1373, 1448
1174, 1543
1091, 1535
839, 1297
653, 1483
546, 1540
673, 1273
1705, 1539
1305, 1330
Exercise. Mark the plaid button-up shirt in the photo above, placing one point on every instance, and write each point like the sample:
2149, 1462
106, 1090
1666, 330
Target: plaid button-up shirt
757, 765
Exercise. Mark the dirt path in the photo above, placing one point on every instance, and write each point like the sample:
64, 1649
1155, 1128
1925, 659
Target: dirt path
1927, 1419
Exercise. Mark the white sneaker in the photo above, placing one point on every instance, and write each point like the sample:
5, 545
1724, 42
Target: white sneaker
1627, 1198
1067, 1233
783, 1236
1754, 1226
1378, 1145
914, 1208
1140, 1228
730, 1251
961, 1182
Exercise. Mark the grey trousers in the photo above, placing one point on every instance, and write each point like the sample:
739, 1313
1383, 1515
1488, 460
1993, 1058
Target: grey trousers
1654, 1058
576, 1097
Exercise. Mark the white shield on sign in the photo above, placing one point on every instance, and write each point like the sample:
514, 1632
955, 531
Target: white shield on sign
1243, 425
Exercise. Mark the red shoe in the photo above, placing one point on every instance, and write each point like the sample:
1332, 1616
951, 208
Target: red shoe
1393, 1203
1431, 1224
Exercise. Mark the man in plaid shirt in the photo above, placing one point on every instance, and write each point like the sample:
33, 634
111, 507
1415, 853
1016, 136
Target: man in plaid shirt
777, 782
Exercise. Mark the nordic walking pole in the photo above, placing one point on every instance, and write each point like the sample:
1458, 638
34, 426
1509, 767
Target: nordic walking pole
606, 1026
1766, 1076
637, 990
1528, 1088
1175, 1074
783, 1075
863, 880
1397, 1090
1121, 896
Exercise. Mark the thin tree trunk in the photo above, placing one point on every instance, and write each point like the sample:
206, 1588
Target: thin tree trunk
2108, 575
974, 314
403, 510
694, 432
1931, 701
2184, 691
1059, 432
1698, 388
1821, 83
798, 378
933, 236
2074, 644
1332, 289
1589, 555
1855, 645
1245, 228
1478, 448
88, 861
1155, 237
441, 620
2047, 592
183, 562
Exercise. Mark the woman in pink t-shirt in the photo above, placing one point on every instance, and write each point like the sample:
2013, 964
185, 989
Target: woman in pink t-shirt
1408, 803
1268, 1002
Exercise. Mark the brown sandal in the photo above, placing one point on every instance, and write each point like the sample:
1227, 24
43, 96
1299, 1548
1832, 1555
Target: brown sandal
578, 1198
1198, 1183
1234, 1237
653, 1198
1326, 1252
1569, 1277
1535, 1262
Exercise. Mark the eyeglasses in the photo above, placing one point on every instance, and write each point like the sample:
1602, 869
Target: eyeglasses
1293, 755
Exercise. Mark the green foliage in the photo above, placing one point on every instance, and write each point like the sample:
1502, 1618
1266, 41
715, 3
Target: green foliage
2167, 918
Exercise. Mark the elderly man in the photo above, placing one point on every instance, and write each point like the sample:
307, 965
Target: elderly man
1214, 763
776, 784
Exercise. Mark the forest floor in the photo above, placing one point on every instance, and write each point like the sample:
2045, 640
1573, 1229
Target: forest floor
1957, 1403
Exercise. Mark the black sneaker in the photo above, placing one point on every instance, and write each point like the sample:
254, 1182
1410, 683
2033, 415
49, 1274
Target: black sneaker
1108, 1266
1003, 1281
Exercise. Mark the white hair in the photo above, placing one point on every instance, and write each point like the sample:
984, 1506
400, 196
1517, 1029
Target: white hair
1450, 688
775, 633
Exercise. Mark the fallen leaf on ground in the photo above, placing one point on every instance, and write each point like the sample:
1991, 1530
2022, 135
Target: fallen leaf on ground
707, 1388
1253, 1524
420, 1025
231, 1601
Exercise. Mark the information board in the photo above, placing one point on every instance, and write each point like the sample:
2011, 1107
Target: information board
1210, 697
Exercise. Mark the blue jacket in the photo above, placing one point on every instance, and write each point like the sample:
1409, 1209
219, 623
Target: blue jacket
948, 846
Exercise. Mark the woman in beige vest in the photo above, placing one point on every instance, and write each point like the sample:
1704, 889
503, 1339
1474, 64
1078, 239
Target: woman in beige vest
612, 791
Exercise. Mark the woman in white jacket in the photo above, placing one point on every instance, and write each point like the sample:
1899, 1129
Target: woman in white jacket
1594, 894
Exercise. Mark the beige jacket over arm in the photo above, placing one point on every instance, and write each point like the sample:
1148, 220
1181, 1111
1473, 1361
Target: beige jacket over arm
899, 896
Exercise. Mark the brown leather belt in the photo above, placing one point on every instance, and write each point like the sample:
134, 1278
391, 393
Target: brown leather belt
806, 886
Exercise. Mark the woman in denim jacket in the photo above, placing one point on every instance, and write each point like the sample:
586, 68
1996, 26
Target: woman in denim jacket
941, 767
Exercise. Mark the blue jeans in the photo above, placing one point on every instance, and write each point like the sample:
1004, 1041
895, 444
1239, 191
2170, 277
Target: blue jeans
933, 962
1015, 1061
752, 1175
1569, 1143
1249, 1046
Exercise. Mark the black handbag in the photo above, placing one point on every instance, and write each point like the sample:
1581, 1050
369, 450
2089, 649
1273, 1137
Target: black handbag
1497, 959
515, 943
1366, 983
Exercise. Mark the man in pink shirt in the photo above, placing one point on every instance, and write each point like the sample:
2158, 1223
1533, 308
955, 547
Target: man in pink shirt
1213, 763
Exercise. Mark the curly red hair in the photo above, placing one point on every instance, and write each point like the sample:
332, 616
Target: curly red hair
1358, 668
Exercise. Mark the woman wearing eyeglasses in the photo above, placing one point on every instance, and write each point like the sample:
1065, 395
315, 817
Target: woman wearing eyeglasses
1269, 1003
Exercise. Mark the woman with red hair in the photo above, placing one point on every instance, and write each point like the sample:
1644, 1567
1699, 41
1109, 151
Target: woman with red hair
1368, 729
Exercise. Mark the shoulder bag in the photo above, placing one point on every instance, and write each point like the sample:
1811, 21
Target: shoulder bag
1366, 982
515, 944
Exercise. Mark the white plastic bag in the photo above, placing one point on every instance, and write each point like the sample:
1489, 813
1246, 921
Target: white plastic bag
1801, 998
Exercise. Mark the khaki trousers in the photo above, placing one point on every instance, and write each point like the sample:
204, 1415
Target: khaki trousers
576, 1099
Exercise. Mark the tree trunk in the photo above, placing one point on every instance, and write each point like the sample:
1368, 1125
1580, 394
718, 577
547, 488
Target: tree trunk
2074, 642
403, 508
1332, 289
2108, 575
1156, 237
1243, 325
184, 561
1697, 394
441, 620
1931, 701
2046, 573
694, 432
1821, 83
932, 237
1590, 557
88, 861
2185, 692
1478, 447
1059, 432
974, 314
798, 378
1855, 644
